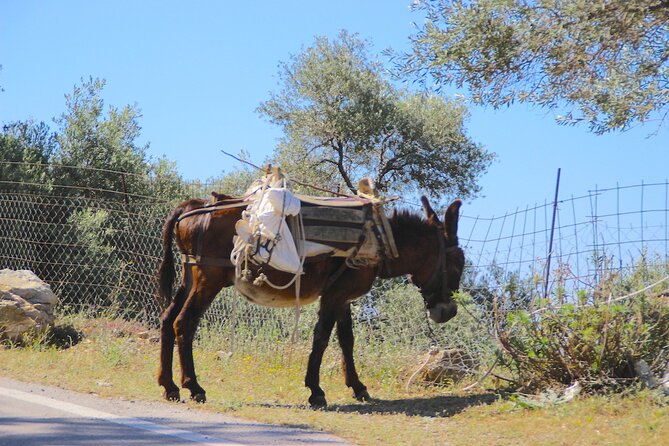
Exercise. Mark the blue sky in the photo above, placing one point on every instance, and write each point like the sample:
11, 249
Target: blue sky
197, 70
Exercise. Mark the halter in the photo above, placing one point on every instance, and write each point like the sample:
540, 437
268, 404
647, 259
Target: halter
440, 271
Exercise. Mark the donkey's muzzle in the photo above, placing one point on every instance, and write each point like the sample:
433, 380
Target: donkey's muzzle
443, 312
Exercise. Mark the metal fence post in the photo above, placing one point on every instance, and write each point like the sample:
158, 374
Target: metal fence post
550, 243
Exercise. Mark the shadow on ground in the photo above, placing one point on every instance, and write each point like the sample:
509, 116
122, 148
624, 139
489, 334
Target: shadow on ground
59, 336
435, 406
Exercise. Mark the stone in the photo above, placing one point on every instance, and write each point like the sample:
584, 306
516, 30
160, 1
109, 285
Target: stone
149, 335
446, 365
26, 304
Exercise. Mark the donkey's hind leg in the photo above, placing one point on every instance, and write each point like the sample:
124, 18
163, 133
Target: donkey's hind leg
201, 295
167, 345
345, 337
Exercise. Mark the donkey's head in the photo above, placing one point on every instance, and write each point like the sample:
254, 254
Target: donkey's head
441, 277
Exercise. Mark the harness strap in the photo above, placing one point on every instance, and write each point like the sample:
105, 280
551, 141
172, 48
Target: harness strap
209, 208
189, 259
384, 233
335, 276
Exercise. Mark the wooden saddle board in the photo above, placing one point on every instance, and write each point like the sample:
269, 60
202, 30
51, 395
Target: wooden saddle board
356, 227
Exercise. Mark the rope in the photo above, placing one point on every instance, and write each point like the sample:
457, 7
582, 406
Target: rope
299, 236
485, 375
430, 354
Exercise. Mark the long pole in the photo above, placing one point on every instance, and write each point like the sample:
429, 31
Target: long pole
289, 179
550, 243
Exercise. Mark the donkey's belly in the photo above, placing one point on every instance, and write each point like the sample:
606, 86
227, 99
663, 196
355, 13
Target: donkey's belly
270, 297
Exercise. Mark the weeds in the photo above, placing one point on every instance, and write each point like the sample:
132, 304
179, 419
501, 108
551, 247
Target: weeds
59, 336
595, 340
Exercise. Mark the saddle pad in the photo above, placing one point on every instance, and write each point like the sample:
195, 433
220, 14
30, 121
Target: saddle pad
332, 234
339, 227
353, 216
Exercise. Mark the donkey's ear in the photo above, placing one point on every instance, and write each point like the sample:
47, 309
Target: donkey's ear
429, 212
451, 220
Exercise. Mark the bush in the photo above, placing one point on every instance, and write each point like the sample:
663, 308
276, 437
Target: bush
596, 340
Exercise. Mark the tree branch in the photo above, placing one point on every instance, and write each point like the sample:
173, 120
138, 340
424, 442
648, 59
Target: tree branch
339, 148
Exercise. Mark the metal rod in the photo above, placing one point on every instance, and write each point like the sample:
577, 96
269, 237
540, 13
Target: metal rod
620, 251
550, 243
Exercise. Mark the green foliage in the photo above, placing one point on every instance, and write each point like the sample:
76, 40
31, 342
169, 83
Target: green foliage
98, 153
94, 254
89, 138
343, 120
25, 150
485, 285
607, 59
93, 230
595, 340
163, 182
93, 199
116, 351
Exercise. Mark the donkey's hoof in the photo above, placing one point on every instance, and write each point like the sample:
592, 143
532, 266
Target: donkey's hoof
172, 395
199, 397
363, 395
318, 402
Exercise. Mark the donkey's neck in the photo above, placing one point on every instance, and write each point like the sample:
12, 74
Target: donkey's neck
415, 244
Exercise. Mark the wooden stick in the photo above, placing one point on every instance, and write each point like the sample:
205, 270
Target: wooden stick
289, 179
243, 161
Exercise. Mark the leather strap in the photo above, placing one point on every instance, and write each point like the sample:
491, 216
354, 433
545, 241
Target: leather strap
189, 259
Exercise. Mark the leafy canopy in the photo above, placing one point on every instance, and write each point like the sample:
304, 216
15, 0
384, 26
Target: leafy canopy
605, 61
102, 144
25, 149
343, 119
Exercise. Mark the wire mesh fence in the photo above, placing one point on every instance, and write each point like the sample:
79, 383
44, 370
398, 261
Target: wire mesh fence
600, 235
99, 247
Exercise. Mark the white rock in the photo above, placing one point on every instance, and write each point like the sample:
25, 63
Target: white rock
26, 284
26, 304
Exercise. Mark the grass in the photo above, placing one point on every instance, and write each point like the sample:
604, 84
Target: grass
110, 358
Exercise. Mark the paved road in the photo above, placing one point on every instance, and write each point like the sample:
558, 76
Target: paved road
37, 415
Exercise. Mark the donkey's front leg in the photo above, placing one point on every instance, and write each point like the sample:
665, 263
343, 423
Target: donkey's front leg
345, 337
322, 332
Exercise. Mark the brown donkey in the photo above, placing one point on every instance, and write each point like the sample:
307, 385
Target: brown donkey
428, 252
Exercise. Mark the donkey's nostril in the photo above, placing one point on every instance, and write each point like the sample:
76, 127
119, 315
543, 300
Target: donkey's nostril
441, 313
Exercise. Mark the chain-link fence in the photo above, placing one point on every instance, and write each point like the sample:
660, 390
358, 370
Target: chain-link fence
99, 248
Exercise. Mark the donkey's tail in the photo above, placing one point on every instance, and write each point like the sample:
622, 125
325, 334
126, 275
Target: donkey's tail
166, 271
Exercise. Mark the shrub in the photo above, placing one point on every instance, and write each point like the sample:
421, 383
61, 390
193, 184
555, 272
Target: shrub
596, 340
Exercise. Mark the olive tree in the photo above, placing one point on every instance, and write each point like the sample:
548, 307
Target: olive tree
604, 62
343, 119
25, 150
98, 150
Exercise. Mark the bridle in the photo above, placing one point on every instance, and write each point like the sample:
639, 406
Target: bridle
440, 271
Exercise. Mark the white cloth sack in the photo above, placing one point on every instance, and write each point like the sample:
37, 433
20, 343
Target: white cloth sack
266, 219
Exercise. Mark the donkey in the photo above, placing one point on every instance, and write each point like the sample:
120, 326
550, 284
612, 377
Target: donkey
428, 252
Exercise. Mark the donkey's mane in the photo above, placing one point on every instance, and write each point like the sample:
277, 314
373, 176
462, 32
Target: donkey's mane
408, 225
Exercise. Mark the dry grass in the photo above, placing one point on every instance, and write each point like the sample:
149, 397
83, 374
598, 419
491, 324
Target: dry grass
112, 360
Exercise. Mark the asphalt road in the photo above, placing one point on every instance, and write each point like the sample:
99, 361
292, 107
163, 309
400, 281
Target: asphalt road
33, 414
